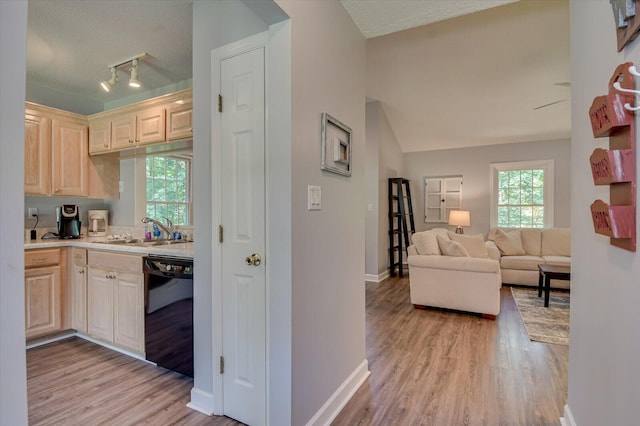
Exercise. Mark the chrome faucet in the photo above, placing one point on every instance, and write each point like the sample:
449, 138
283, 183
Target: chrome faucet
167, 229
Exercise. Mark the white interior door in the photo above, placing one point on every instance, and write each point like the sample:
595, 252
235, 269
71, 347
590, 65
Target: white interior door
242, 140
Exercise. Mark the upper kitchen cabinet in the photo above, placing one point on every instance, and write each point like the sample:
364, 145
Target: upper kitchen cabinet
180, 120
37, 157
57, 158
154, 121
69, 155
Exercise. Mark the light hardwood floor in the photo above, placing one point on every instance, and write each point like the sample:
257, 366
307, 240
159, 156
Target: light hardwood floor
433, 367
428, 367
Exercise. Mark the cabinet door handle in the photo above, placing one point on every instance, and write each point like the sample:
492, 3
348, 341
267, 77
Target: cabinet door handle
105, 145
81, 271
130, 140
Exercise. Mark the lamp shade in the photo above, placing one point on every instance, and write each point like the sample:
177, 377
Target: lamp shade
459, 218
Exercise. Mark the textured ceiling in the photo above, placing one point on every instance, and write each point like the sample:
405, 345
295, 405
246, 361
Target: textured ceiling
379, 17
70, 43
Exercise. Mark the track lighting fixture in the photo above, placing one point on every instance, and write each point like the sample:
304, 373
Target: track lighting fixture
107, 85
133, 81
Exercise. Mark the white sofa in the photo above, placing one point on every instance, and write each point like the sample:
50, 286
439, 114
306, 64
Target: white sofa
461, 283
519, 262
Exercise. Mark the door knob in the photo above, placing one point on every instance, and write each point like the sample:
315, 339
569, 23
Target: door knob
253, 259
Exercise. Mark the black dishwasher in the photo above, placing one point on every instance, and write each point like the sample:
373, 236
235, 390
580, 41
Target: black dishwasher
168, 308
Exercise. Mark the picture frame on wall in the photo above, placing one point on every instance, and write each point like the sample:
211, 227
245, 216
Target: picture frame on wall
336, 146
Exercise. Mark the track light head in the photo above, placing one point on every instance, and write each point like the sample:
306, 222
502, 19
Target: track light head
108, 84
133, 81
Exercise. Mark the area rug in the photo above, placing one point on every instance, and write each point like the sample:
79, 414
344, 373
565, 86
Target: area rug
548, 325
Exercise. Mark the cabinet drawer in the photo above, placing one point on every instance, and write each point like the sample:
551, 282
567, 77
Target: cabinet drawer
115, 261
35, 258
78, 257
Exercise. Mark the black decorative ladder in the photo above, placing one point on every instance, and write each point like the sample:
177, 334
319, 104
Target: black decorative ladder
400, 208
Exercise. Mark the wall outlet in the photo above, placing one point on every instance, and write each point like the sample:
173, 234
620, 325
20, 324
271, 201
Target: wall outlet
33, 211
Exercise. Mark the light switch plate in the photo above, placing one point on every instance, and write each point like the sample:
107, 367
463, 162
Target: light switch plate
314, 197
120, 186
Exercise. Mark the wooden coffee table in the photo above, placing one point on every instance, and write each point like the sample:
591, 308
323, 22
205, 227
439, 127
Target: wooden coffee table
548, 273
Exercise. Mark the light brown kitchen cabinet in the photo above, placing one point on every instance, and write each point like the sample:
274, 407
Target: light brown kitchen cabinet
43, 292
180, 120
57, 158
150, 126
37, 157
100, 136
115, 299
69, 156
153, 121
78, 289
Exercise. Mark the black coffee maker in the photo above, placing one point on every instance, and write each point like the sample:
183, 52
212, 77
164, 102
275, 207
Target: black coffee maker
68, 221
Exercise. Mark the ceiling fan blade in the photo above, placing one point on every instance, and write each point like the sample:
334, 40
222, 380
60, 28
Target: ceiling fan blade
549, 104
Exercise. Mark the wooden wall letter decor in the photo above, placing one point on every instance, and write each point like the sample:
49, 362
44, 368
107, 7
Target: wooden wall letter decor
625, 13
615, 166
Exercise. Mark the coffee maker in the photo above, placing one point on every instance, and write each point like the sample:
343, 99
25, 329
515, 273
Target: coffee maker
98, 220
68, 221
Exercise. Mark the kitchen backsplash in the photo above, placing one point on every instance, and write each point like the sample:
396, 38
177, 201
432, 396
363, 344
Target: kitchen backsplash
134, 231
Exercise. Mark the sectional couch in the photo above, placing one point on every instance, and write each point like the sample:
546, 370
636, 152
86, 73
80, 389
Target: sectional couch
523, 249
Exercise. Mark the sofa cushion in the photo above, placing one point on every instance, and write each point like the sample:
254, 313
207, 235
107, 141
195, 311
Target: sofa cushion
526, 262
426, 243
531, 240
557, 260
474, 244
444, 233
451, 248
556, 242
468, 264
509, 243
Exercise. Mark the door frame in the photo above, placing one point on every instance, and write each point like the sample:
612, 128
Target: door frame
257, 41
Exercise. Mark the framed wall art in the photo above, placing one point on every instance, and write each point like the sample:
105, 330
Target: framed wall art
336, 146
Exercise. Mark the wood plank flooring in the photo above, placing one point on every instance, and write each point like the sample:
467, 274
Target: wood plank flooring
75, 382
428, 367
433, 367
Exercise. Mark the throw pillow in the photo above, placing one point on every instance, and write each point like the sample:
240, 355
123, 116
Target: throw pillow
509, 243
451, 248
474, 244
426, 243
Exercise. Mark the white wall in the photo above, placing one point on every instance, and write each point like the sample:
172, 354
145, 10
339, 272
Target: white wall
474, 166
328, 69
604, 376
384, 160
13, 382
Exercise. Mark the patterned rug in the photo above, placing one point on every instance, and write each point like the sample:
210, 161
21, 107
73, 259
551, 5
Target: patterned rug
548, 325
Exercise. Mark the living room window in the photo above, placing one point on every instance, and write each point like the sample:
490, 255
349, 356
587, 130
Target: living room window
167, 191
522, 194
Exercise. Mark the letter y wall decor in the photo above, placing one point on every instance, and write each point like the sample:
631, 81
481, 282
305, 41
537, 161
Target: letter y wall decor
612, 116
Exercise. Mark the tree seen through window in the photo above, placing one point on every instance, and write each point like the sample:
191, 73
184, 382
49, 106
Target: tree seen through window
521, 198
168, 188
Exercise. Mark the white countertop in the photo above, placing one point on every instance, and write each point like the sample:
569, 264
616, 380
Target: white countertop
94, 243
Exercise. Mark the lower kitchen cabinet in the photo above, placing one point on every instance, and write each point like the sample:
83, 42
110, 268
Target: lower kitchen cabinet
43, 292
115, 300
42, 301
78, 289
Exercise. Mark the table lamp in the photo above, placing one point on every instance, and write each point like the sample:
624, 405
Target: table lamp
459, 218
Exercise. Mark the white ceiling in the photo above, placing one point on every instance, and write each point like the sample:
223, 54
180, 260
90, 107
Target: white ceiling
465, 81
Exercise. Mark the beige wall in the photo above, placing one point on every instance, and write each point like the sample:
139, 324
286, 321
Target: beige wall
604, 376
384, 160
13, 375
328, 65
474, 166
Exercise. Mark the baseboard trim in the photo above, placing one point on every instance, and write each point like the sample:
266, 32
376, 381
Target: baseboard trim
113, 348
377, 278
201, 401
568, 419
329, 411
47, 340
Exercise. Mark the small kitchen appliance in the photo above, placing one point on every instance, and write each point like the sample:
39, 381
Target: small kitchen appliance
98, 220
68, 218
